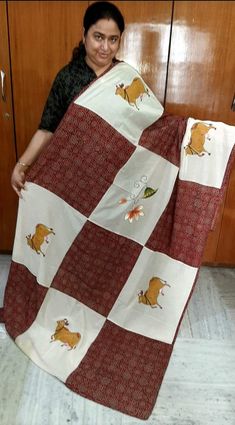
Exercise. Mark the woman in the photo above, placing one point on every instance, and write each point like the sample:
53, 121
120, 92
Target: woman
103, 25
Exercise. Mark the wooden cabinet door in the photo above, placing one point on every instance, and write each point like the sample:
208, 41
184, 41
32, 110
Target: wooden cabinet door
8, 198
42, 37
146, 40
201, 84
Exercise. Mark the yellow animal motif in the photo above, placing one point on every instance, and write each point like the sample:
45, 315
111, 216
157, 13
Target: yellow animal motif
150, 297
198, 138
39, 237
63, 334
132, 92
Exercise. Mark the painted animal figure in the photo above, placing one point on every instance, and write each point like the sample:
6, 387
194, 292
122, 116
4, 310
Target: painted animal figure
198, 138
150, 297
63, 334
39, 237
132, 92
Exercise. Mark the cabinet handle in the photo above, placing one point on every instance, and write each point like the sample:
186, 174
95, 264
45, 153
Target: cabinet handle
233, 104
3, 76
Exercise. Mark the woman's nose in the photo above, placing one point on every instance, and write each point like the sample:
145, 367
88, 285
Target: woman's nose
105, 44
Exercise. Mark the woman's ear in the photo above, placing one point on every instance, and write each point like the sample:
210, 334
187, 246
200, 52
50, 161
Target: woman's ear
83, 35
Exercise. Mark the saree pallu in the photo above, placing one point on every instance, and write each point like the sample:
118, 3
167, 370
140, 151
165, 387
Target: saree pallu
109, 239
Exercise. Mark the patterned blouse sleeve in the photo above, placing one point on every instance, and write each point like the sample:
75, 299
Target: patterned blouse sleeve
55, 106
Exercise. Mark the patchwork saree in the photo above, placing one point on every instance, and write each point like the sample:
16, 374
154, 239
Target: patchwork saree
109, 240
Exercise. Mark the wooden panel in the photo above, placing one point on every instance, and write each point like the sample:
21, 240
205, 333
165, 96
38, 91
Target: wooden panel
145, 41
42, 36
8, 198
201, 85
202, 60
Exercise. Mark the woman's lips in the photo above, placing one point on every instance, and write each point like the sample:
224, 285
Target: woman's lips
103, 55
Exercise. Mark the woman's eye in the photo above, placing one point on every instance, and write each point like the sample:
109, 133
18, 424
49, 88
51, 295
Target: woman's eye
98, 37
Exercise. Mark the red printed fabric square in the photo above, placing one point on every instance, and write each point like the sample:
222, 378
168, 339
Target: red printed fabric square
122, 370
164, 137
23, 299
96, 267
185, 223
83, 140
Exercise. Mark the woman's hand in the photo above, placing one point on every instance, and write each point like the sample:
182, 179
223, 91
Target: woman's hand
38, 142
18, 178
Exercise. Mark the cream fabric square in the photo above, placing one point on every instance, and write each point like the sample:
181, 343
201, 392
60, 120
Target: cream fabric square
61, 334
46, 228
205, 151
138, 196
154, 296
139, 106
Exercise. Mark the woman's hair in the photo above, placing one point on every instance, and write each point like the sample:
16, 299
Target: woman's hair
102, 10
95, 12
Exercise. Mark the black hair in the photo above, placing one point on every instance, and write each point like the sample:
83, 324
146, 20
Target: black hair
95, 12
102, 10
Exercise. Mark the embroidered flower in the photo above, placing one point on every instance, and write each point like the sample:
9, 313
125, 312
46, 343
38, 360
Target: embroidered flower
135, 213
122, 201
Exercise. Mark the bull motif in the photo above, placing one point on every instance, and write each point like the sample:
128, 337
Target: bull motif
132, 92
150, 297
40, 236
63, 334
198, 138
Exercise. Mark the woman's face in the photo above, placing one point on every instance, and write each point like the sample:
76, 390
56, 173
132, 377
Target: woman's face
101, 43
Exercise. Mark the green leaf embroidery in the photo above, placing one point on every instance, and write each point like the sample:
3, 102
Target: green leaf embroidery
149, 192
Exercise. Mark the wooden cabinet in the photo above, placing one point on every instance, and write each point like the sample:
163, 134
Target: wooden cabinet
184, 50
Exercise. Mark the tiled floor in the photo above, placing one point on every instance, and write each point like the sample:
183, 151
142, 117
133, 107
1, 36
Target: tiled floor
198, 388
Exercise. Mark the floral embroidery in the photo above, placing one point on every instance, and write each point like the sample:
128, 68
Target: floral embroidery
122, 201
135, 213
140, 191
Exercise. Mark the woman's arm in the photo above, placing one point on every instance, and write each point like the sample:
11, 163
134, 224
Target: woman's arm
38, 142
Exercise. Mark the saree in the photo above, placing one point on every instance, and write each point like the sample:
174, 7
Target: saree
109, 239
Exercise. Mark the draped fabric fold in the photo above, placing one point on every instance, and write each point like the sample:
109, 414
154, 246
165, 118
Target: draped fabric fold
109, 240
